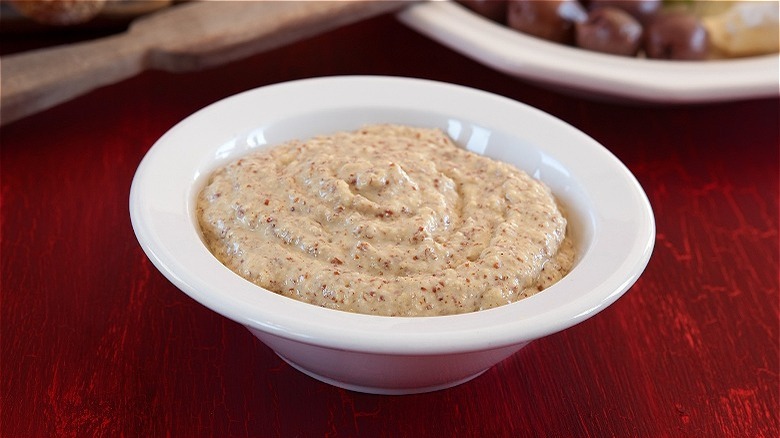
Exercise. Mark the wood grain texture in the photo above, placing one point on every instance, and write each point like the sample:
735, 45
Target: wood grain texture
184, 37
95, 342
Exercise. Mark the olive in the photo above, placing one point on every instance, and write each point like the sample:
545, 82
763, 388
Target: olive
642, 10
676, 35
552, 20
610, 30
494, 10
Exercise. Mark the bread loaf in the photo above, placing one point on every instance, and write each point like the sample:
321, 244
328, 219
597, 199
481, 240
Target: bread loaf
59, 12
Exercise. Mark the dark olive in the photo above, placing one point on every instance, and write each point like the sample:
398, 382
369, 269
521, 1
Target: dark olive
494, 10
549, 19
610, 30
642, 10
677, 35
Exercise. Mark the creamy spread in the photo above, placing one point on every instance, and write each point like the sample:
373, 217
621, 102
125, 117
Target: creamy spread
386, 220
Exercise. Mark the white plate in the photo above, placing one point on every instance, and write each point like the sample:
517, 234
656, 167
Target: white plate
589, 73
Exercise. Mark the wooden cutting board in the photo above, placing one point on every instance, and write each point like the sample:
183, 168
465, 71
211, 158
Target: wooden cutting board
184, 37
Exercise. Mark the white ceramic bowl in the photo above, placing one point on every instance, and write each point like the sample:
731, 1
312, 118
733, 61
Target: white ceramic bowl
609, 214
592, 74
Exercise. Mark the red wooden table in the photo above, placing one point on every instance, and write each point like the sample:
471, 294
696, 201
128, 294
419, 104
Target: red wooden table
95, 342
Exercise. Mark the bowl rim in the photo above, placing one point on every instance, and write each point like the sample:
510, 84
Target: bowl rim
161, 208
593, 74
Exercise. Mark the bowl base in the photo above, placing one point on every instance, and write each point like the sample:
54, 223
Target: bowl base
379, 390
